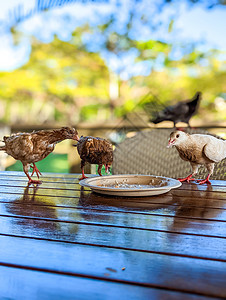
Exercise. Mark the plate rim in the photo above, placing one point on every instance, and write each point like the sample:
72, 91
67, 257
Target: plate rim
85, 183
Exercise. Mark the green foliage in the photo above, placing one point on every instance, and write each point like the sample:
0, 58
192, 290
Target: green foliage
57, 81
64, 82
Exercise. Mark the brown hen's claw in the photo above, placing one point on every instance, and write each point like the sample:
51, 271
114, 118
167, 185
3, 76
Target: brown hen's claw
31, 181
83, 177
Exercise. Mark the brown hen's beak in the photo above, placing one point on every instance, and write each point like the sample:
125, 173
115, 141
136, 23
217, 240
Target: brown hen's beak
76, 137
171, 143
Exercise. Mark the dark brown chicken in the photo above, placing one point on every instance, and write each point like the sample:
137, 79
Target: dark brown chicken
32, 147
94, 150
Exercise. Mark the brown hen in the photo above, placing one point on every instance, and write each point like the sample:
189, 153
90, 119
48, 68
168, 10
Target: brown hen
32, 147
94, 150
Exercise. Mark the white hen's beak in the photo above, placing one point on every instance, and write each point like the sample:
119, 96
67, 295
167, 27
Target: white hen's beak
171, 143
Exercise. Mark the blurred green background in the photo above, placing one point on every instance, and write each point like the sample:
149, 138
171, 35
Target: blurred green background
57, 163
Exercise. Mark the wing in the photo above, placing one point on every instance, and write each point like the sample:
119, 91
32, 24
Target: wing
179, 109
19, 146
105, 152
172, 113
84, 145
215, 149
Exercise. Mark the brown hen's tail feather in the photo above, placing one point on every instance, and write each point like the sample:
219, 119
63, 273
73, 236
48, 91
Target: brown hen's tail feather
2, 148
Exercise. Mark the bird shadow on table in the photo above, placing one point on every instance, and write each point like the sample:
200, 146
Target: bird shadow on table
37, 216
30, 207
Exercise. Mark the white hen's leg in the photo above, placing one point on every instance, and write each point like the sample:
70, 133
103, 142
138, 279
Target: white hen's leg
189, 177
195, 168
210, 168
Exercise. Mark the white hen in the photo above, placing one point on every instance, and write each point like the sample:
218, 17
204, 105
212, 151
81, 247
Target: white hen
198, 149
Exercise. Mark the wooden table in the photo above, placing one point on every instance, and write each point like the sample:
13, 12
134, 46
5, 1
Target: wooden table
59, 241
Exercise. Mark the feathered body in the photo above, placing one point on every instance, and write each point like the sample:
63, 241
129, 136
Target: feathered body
30, 148
180, 112
198, 149
94, 150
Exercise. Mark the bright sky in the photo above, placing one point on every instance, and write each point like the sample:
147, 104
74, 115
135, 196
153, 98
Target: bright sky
192, 24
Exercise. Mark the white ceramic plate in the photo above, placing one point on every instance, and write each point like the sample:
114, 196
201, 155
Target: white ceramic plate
141, 185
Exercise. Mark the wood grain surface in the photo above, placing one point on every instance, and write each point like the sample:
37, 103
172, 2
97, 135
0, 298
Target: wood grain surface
60, 241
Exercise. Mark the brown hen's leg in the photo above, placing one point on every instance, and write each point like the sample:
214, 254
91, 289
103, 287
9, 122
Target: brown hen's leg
83, 175
36, 170
26, 169
99, 169
187, 179
82, 167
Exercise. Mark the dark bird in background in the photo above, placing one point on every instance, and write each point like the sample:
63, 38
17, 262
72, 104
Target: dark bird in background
32, 147
94, 150
180, 112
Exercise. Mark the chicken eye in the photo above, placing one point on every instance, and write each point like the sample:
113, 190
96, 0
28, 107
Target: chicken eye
177, 136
